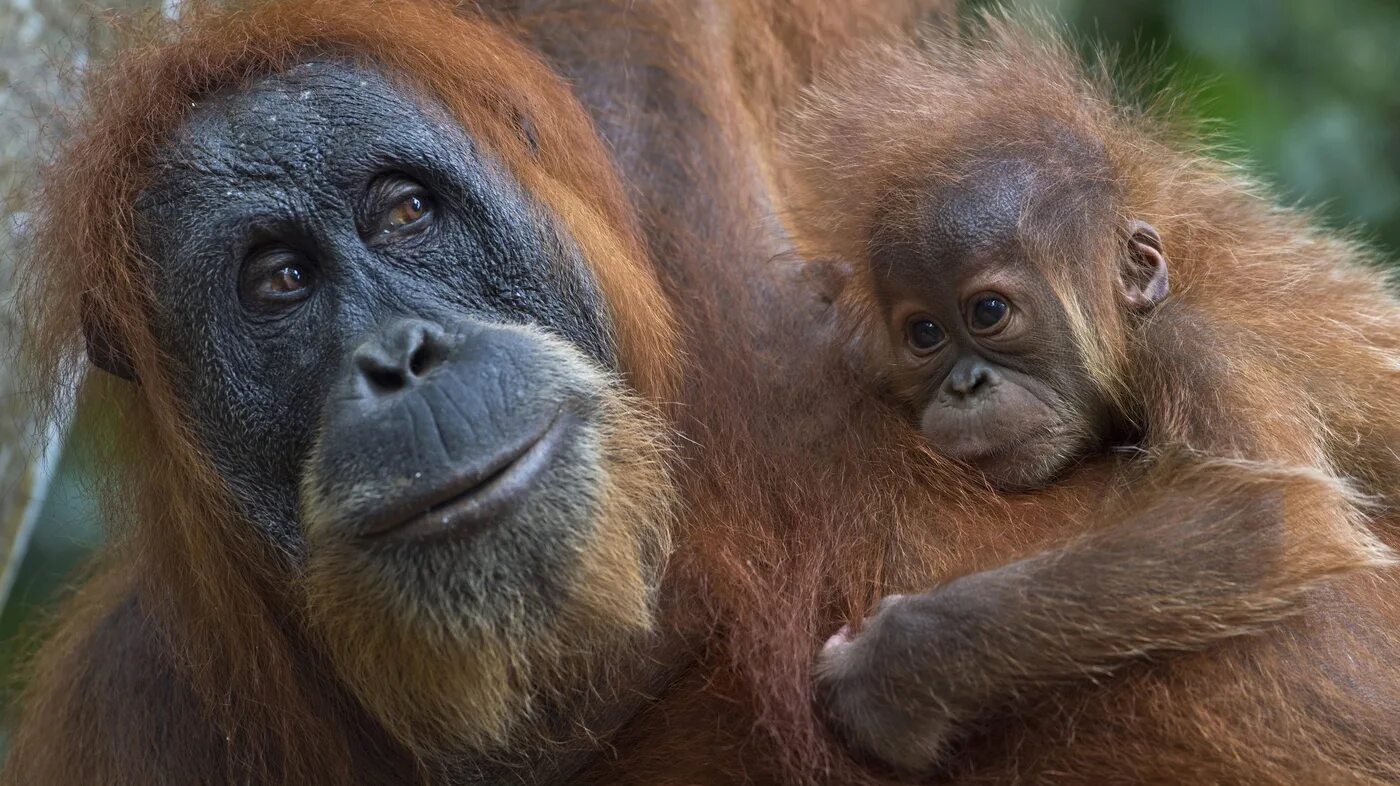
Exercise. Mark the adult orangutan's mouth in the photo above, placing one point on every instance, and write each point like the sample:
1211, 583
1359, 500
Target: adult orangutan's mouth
474, 498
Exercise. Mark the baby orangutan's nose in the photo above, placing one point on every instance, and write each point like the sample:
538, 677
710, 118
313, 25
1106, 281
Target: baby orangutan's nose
970, 379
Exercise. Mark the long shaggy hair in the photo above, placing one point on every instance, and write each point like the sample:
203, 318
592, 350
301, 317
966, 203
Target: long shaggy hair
872, 511
215, 592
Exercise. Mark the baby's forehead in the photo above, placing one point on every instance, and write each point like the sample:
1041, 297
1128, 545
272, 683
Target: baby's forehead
1002, 208
959, 222
976, 212
911, 272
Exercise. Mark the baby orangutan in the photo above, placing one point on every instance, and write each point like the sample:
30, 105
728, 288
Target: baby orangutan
982, 348
1009, 238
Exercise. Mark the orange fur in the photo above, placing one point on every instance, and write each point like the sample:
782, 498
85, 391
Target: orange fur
1222, 371
186, 656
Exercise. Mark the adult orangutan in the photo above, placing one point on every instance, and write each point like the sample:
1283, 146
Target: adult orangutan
393, 366
797, 517
390, 490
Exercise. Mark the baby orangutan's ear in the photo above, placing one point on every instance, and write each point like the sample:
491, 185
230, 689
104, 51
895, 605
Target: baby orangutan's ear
1143, 283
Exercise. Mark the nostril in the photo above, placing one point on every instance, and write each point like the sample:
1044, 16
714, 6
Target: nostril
426, 349
399, 356
422, 360
968, 382
385, 381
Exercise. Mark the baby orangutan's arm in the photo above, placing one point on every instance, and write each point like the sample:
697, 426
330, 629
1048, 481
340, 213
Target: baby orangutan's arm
1218, 550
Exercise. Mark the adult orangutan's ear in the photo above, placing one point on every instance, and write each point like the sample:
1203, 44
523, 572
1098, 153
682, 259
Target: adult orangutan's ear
525, 127
828, 277
1143, 283
104, 347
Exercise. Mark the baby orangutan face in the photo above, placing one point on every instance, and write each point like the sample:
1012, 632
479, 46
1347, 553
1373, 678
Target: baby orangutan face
982, 347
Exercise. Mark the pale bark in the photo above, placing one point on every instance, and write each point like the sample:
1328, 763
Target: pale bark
44, 44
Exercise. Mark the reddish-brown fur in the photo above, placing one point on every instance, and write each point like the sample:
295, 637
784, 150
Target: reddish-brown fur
809, 502
1224, 368
184, 657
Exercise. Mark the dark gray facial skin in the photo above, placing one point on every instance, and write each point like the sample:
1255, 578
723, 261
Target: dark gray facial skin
369, 322
983, 349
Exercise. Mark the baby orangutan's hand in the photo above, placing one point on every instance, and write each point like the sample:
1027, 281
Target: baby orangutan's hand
892, 691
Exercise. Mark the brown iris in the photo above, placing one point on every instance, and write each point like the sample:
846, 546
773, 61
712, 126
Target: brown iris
286, 280
408, 211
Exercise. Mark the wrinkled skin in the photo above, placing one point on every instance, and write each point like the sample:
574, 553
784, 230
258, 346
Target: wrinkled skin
401, 364
300, 172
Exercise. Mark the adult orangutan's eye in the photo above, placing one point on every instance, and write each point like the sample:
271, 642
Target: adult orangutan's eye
276, 279
286, 281
405, 208
408, 212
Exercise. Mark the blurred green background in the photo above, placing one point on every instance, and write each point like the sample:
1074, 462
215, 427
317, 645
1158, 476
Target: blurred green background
1306, 90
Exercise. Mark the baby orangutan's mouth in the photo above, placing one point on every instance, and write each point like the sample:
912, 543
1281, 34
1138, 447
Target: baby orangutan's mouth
1015, 447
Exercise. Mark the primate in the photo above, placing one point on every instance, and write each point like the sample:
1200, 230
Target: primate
253, 623
391, 486
391, 368
1039, 282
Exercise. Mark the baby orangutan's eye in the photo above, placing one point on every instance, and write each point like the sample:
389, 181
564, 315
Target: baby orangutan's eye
924, 335
988, 312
